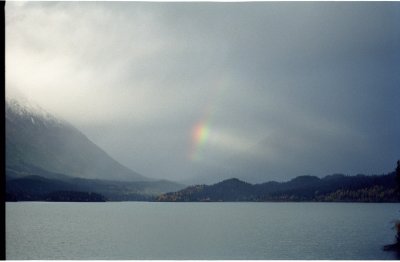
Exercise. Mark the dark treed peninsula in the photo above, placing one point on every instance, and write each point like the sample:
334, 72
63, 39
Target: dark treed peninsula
332, 188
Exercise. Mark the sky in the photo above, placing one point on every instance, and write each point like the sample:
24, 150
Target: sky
200, 92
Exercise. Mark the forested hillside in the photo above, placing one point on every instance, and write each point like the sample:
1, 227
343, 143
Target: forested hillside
341, 188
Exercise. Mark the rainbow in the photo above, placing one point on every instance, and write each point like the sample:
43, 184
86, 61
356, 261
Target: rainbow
200, 132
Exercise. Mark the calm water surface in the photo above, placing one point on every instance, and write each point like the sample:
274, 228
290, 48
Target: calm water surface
141, 230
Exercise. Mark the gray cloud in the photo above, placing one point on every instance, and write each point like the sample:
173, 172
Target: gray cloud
286, 88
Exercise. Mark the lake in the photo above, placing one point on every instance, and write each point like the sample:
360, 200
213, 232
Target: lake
146, 230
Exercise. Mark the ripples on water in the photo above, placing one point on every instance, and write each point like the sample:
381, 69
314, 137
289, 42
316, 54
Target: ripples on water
141, 230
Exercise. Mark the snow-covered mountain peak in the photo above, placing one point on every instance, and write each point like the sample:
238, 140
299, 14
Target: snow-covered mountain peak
39, 139
22, 106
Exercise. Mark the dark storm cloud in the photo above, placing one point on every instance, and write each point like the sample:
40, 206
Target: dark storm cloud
286, 88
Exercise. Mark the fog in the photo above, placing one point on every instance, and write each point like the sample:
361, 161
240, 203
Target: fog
199, 92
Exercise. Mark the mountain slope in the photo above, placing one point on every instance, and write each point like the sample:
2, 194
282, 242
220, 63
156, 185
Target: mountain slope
36, 139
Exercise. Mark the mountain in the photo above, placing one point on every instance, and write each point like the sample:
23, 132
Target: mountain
34, 187
359, 188
48, 159
37, 140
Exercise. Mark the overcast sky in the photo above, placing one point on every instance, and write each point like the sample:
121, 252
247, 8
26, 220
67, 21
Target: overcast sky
206, 91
